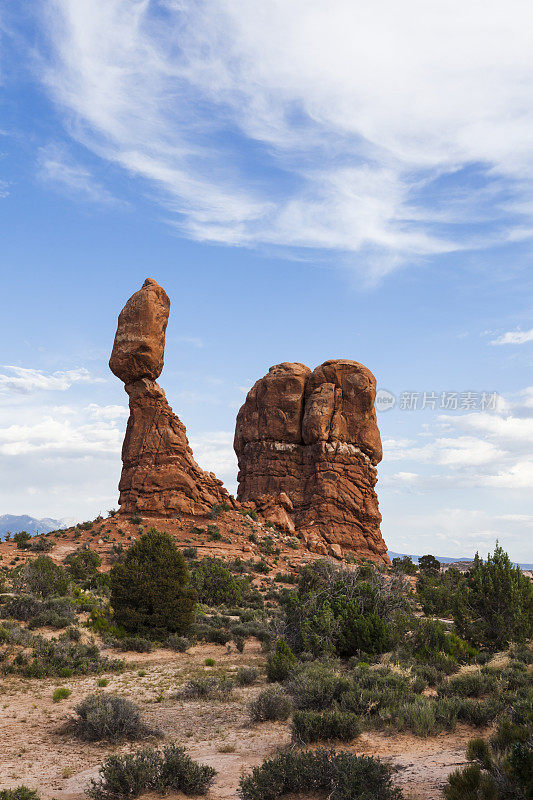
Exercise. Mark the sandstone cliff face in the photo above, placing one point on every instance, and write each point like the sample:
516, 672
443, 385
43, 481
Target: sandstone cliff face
307, 445
159, 475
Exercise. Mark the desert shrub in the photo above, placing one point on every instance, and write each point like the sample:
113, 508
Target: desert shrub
431, 637
215, 584
428, 565
239, 643
417, 716
190, 552
213, 533
376, 693
101, 621
82, 564
430, 674
110, 718
501, 768
61, 693
72, 633
210, 662
495, 604
443, 663
22, 539
171, 769
101, 682
43, 577
246, 676
54, 612
270, 704
57, 612
246, 629
207, 687
150, 589
21, 607
179, 773
323, 726
216, 635
178, 643
522, 653
405, 565
468, 684
116, 552
64, 658
422, 716
317, 686
14, 633
437, 591
217, 509
470, 783
261, 567
326, 773
447, 712
280, 662
419, 684
41, 544
513, 677
478, 713
20, 793
136, 644
338, 611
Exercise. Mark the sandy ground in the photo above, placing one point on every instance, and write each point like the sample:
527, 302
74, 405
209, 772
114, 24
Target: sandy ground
37, 752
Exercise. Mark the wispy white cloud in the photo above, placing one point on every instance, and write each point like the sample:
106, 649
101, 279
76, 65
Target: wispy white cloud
57, 167
491, 448
53, 436
58, 459
194, 341
457, 531
214, 453
343, 127
26, 380
514, 337
109, 412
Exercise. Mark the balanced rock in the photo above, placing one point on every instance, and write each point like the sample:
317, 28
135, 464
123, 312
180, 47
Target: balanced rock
308, 445
139, 347
159, 474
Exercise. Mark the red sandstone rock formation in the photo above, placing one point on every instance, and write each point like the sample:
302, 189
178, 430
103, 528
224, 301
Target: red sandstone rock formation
308, 444
159, 474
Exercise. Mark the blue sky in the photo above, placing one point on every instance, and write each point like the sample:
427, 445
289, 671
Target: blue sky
307, 181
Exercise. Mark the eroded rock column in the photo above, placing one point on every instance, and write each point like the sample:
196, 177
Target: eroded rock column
159, 474
308, 445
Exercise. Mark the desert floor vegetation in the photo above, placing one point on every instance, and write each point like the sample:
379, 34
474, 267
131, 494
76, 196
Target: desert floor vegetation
315, 687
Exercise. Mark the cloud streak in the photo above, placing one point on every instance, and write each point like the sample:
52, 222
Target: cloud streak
389, 130
486, 449
514, 337
25, 380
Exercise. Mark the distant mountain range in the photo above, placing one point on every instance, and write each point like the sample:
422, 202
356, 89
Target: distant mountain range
446, 559
14, 524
